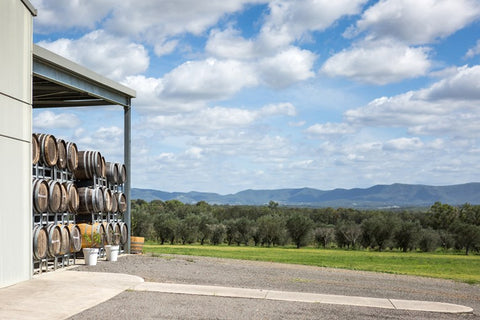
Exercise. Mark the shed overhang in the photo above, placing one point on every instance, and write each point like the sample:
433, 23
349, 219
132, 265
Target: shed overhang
59, 82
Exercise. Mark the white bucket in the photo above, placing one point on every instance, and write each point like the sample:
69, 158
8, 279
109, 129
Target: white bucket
90, 255
112, 252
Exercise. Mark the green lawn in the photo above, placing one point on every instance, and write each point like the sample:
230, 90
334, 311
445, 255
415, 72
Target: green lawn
446, 266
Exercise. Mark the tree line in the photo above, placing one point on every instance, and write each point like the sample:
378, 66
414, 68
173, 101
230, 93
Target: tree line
441, 226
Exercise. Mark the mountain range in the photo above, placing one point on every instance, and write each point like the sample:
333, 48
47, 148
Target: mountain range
379, 196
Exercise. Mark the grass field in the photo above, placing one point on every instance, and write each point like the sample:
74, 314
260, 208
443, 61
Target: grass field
446, 266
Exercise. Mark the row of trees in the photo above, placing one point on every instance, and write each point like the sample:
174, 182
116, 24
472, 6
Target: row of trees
442, 225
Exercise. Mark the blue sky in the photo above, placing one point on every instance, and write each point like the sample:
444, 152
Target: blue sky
238, 94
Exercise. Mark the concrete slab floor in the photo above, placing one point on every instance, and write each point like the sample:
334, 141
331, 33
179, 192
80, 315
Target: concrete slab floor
63, 293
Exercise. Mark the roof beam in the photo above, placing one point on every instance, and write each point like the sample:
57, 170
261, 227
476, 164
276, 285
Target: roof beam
66, 79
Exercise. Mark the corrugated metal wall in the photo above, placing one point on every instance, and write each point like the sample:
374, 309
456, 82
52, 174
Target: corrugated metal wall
15, 136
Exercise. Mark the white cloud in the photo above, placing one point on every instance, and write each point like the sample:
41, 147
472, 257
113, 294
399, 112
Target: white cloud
416, 22
148, 89
59, 14
472, 52
50, 120
155, 21
150, 100
291, 20
107, 140
397, 111
165, 48
116, 58
328, 129
403, 144
208, 79
463, 85
285, 108
230, 44
378, 62
287, 67
150, 21
447, 107
216, 118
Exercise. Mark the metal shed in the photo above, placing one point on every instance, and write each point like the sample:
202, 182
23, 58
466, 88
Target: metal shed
58, 82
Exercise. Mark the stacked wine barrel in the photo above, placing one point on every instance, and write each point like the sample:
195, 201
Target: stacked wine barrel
75, 194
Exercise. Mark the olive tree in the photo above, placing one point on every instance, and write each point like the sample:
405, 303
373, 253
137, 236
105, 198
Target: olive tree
299, 227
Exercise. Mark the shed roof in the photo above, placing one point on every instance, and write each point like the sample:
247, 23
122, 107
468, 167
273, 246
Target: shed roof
59, 82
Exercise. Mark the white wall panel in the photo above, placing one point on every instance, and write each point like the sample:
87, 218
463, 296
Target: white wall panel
15, 212
16, 51
15, 119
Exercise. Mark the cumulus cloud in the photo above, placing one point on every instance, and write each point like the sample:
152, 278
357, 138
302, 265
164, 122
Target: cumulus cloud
150, 21
291, 20
416, 22
287, 67
59, 14
229, 43
216, 118
285, 108
328, 129
113, 57
379, 62
50, 120
440, 108
208, 79
155, 21
472, 52
463, 85
107, 140
403, 144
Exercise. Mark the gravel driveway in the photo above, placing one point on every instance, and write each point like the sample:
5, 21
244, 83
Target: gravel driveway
275, 276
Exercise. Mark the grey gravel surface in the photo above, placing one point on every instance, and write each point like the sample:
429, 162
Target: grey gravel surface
275, 276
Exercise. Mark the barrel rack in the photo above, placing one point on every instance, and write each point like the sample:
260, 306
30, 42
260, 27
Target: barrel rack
69, 219
44, 219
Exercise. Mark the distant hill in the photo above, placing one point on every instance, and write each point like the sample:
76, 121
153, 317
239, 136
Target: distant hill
379, 196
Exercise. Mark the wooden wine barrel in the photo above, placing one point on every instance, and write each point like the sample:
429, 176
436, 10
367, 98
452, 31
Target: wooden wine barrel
107, 200
65, 233
40, 242
48, 149
54, 240
104, 168
72, 156
123, 233
35, 149
112, 172
75, 238
117, 233
89, 164
91, 200
40, 195
136, 244
121, 201
54, 196
62, 154
88, 231
73, 198
109, 230
64, 199
114, 203
122, 173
